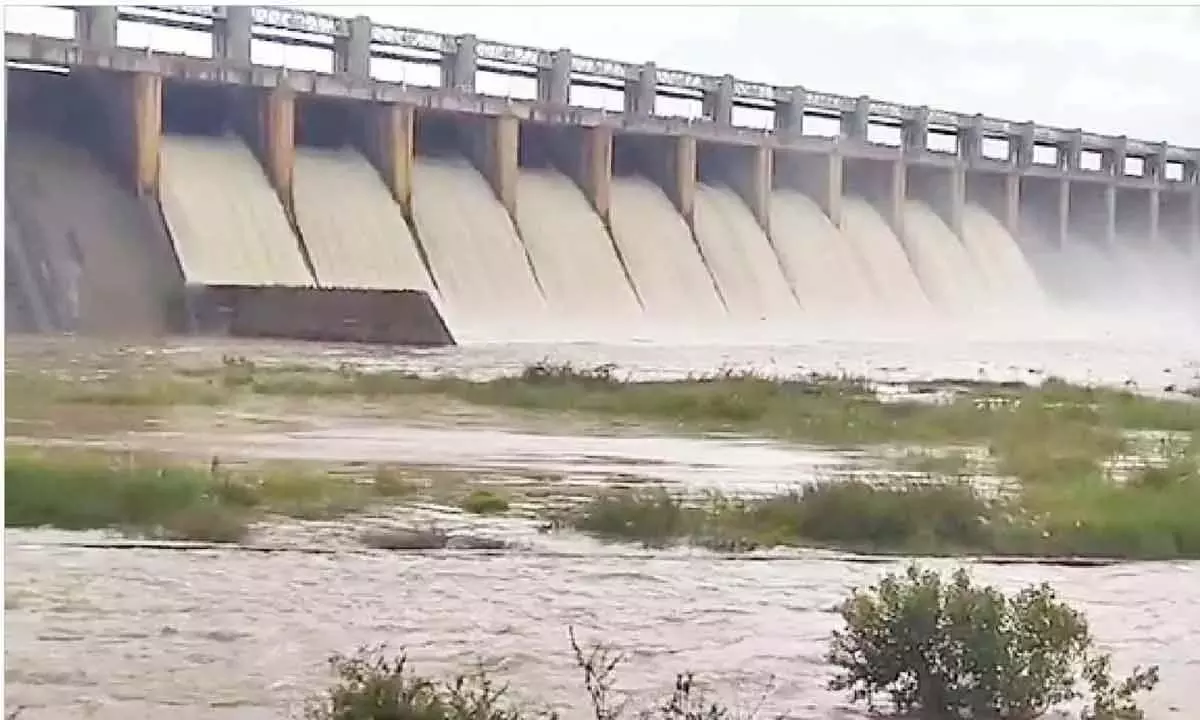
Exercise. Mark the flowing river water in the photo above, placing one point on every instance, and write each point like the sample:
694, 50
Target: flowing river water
229, 633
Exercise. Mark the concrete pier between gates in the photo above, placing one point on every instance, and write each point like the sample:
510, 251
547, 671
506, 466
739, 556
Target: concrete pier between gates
147, 124
395, 146
596, 169
279, 138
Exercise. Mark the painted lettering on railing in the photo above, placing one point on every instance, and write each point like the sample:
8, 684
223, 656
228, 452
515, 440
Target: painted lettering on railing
685, 80
409, 38
513, 54
300, 20
753, 91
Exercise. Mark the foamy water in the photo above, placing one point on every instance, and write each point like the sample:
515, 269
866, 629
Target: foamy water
1011, 280
575, 261
741, 258
476, 257
944, 268
882, 257
224, 217
114, 634
354, 230
818, 261
668, 272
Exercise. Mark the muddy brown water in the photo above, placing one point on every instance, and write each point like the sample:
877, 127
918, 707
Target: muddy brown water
124, 633
227, 634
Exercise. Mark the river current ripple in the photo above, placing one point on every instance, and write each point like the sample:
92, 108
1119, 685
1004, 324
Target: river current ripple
231, 634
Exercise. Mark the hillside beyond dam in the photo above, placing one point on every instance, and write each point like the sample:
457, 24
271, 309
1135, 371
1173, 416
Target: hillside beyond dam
154, 194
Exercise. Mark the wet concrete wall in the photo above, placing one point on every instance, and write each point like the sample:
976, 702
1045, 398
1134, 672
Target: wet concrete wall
999, 194
817, 175
880, 182
1091, 213
746, 169
90, 253
670, 162
393, 317
943, 188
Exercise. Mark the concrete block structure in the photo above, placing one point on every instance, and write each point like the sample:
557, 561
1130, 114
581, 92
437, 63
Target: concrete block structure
1055, 199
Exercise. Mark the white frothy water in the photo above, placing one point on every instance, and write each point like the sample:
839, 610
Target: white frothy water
883, 258
224, 217
741, 257
487, 287
946, 272
354, 230
573, 257
668, 273
999, 258
817, 260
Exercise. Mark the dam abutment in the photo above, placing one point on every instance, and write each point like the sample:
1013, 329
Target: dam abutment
90, 255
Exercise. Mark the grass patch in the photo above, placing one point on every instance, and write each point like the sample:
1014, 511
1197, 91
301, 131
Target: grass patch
485, 502
1141, 519
140, 497
1055, 432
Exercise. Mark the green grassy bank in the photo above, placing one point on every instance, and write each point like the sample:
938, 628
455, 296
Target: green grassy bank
83, 491
1152, 516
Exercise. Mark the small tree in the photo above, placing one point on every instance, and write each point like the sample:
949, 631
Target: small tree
372, 685
950, 651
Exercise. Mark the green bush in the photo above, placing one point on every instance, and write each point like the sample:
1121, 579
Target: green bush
948, 650
372, 685
485, 502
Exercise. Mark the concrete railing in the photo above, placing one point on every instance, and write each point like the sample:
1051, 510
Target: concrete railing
355, 41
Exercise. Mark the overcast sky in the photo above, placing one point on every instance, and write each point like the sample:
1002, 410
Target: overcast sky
1108, 70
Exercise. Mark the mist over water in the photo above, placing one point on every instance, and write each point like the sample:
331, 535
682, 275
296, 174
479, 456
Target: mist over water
741, 258
573, 257
662, 259
355, 232
477, 259
226, 220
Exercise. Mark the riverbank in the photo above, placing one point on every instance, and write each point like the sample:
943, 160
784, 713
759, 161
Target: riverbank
1147, 517
1143, 519
148, 498
1054, 431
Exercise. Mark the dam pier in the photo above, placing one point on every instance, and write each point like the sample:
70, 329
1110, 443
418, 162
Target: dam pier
154, 192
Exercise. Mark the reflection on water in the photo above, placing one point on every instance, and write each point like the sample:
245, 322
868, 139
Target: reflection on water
223, 634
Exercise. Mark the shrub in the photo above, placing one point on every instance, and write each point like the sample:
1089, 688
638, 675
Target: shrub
371, 685
949, 650
485, 502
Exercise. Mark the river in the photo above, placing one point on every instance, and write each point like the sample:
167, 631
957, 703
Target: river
226, 633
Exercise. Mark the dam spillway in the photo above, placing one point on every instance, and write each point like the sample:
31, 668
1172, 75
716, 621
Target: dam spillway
543, 220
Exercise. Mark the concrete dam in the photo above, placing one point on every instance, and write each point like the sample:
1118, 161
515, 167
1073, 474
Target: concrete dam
154, 193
